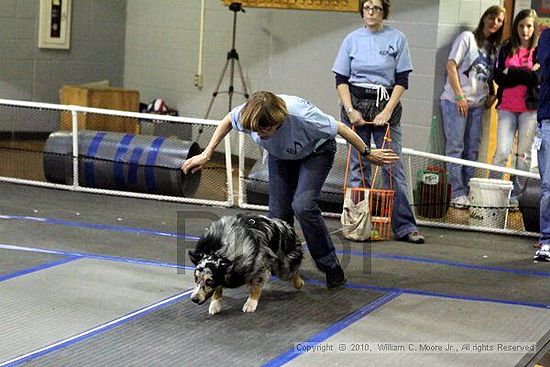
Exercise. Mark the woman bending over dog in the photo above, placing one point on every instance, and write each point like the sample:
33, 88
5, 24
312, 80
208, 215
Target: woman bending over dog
300, 140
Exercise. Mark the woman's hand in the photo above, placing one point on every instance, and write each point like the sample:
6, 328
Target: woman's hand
490, 101
355, 118
381, 157
382, 118
462, 107
195, 163
535, 67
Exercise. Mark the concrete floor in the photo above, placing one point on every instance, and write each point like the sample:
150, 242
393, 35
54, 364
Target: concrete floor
46, 233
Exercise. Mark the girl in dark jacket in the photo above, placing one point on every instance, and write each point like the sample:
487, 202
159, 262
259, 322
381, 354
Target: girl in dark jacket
516, 74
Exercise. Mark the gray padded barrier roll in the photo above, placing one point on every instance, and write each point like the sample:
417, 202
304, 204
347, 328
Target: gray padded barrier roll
529, 205
118, 161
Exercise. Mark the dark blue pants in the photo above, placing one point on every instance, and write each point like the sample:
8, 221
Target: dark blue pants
294, 190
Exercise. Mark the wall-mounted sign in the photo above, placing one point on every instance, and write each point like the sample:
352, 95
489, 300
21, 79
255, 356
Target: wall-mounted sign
54, 26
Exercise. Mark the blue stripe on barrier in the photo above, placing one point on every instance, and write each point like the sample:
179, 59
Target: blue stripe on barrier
118, 166
151, 160
133, 165
91, 153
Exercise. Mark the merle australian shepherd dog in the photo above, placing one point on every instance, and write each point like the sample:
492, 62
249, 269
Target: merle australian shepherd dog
244, 249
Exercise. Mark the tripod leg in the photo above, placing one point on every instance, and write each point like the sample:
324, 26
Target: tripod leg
231, 88
216, 91
246, 95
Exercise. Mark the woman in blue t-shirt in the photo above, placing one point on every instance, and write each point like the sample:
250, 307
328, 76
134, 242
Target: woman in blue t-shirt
372, 73
300, 140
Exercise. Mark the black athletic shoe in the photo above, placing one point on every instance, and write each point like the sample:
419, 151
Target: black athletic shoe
335, 277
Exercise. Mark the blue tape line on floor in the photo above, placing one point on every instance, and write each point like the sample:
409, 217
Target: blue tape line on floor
333, 329
40, 267
97, 330
100, 226
339, 252
445, 262
97, 257
366, 287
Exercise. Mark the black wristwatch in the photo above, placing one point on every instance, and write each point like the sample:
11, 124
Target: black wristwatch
366, 152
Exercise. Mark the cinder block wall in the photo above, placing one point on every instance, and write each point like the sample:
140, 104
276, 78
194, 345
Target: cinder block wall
285, 51
154, 49
36, 74
97, 49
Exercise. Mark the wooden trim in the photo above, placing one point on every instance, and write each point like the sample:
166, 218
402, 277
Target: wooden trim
509, 6
332, 5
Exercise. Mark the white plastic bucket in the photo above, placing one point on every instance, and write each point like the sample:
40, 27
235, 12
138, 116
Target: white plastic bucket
489, 200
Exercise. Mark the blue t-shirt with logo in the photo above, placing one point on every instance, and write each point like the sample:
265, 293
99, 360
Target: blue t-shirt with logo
305, 128
368, 57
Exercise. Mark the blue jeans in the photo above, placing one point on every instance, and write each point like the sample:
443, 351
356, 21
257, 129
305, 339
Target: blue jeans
462, 139
544, 169
294, 190
525, 124
403, 221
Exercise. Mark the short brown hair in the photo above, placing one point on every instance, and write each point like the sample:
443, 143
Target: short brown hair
386, 5
263, 110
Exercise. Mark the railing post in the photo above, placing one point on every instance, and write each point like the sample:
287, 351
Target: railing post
74, 119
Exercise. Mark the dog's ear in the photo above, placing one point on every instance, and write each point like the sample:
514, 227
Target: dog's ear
224, 264
195, 257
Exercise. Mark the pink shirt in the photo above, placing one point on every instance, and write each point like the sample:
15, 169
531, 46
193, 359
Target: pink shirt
513, 99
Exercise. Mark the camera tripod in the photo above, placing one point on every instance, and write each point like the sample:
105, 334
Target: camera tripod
232, 58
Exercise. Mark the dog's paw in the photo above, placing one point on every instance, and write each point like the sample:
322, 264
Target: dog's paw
215, 307
298, 282
250, 305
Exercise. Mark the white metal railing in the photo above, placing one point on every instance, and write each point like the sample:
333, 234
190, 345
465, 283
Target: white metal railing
408, 155
75, 110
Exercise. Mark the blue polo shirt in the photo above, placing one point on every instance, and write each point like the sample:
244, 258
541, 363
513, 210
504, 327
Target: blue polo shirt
305, 128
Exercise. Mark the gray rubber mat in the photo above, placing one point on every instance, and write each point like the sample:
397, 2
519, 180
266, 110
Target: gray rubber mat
42, 308
184, 334
16, 261
411, 320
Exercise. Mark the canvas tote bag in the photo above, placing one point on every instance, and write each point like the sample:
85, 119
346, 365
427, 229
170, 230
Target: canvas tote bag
356, 216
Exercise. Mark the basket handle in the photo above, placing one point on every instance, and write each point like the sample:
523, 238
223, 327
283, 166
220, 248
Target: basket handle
387, 140
346, 173
385, 143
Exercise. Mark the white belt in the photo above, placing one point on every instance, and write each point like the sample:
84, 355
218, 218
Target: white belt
381, 91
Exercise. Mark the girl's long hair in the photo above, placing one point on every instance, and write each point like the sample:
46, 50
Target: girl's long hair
496, 38
514, 40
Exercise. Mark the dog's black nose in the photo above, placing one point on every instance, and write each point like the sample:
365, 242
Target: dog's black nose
197, 300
